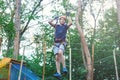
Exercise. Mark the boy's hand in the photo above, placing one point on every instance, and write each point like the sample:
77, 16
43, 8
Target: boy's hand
68, 13
51, 22
56, 17
69, 21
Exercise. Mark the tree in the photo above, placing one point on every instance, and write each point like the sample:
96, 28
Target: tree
7, 25
106, 40
95, 18
118, 10
17, 28
118, 15
84, 43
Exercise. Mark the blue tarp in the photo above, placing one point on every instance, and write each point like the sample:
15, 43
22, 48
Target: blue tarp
26, 73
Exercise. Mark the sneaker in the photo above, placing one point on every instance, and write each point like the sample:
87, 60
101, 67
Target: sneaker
57, 75
65, 70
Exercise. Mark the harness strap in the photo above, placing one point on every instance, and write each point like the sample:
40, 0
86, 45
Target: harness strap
59, 40
61, 43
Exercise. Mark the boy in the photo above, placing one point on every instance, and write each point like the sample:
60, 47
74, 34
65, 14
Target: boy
60, 43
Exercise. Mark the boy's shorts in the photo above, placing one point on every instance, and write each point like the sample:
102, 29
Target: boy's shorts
58, 46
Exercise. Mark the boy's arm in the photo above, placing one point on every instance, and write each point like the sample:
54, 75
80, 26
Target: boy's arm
69, 21
51, 23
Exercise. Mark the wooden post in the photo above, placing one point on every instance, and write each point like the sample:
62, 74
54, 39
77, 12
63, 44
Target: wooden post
70, 63
21, 65
93, 61
70, 59
44, 53
9, 71
0, 43
114, 56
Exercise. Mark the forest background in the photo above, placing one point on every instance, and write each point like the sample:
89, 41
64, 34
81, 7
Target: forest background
99, 23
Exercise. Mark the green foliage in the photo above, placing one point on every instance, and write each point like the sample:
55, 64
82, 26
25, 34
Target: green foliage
77, 61
106, 41
107, 38
4, 73
8, 53
65, 4
6, 22
2, 6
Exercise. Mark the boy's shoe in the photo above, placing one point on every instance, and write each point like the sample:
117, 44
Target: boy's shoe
57, 75
65, 71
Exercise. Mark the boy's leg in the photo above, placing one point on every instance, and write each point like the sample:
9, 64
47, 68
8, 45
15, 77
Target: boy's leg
57, 57
58, 74
57, 62
62, 57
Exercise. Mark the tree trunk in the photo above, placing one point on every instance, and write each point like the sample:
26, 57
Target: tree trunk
118, 13
118, 10
95, 17
84, 43
29, 19
17, 29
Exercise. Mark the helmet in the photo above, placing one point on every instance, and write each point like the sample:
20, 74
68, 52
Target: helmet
64, 17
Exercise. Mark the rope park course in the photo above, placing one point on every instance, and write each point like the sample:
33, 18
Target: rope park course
84, 51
